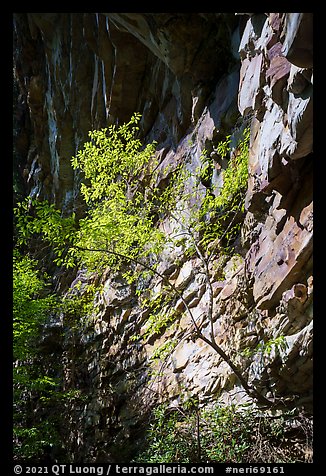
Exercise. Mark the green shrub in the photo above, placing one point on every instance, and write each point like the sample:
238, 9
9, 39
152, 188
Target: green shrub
39, 402
221, 210
33, 386
221, 434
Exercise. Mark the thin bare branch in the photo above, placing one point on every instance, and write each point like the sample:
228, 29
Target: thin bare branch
251, 391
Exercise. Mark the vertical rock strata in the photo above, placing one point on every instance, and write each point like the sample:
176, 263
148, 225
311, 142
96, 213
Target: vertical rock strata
189, 75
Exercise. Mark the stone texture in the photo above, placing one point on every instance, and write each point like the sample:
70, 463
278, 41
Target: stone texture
298, 39
79, 71
251, 83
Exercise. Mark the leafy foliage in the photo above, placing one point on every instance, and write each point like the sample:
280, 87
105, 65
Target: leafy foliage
221, 434
127, 207
124, 204
121, 201
235, 176
40, 402
276, 344
112, 162
41, 219
220, 209
31, 306
166, 439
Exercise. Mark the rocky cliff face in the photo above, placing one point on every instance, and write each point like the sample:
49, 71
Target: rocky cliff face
80, 71
193, 77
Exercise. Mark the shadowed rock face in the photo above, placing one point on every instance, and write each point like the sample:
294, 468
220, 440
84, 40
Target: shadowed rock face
81, 71
190, 75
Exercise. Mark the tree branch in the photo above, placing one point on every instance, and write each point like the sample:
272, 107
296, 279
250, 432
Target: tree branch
151, 269
251, 391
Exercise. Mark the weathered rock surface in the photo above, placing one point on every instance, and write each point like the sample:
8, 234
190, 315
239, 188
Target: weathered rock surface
79, 71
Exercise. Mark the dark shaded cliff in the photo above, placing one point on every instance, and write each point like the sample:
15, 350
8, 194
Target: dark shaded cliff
195, 78
81, 71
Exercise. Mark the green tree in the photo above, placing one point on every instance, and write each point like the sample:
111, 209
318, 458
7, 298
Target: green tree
126, 211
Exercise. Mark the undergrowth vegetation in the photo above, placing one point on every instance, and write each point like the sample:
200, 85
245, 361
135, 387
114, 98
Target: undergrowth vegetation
225, 434
40, 400
32, 382
122, 231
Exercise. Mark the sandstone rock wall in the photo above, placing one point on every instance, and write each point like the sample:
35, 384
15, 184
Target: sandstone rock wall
80, 71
